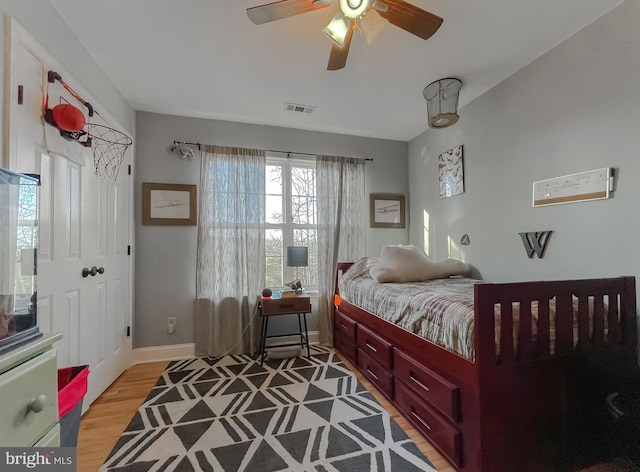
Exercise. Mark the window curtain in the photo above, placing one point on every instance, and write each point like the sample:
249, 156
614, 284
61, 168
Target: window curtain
341, 227
230, 267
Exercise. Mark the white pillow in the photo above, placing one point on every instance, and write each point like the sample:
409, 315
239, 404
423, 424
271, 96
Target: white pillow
398, 263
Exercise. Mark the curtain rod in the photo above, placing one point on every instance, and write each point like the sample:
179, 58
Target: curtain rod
199, 146
310, 154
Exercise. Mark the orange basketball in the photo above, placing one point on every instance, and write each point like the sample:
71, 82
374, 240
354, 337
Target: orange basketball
68, 117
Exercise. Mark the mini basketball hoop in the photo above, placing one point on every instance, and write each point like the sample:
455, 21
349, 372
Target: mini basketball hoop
109, 147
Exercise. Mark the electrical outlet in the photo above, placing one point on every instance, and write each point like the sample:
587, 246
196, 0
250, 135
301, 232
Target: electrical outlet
172, 321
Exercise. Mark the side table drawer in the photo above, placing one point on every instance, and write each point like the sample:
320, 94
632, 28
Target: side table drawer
19, 388
375, 347
286, 306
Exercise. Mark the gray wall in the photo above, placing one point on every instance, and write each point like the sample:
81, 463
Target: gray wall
165, 256
576, 108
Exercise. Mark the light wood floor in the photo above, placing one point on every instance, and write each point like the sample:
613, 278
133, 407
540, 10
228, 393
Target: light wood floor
107, 417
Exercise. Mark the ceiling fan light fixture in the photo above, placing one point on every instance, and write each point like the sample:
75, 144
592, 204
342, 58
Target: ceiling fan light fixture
353, 13
372, 23
442, 102
337, 29
354, 8
380, 6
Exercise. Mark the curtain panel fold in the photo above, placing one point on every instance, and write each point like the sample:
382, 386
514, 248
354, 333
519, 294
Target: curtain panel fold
230, 267
341, 227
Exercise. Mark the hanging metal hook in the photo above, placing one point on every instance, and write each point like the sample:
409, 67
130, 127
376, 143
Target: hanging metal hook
183, 150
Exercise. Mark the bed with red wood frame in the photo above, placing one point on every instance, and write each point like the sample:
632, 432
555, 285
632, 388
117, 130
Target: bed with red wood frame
514, 407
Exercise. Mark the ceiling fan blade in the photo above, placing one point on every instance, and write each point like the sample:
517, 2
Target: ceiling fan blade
338, 57
283, 9
410, 18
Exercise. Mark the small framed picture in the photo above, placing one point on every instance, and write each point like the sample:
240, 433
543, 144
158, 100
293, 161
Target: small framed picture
386, 211
451, 172
168, 204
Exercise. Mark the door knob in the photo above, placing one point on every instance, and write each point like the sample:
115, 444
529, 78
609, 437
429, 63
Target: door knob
90, 272
100, 270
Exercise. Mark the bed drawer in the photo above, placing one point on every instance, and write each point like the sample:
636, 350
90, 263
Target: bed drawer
345, 325
375, 347
446, 437
377, 374
346, 346
425, 383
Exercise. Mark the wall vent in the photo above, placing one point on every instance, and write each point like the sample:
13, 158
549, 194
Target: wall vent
297, 108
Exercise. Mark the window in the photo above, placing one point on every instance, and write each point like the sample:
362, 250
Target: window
26, 244
291, 219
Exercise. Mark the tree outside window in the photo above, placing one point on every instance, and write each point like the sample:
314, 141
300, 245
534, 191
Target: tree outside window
291, 219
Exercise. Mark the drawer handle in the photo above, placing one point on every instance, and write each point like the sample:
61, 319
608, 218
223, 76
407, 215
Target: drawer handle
420, 384
344, 326
370, 346
37, 404
419, 418
372, 374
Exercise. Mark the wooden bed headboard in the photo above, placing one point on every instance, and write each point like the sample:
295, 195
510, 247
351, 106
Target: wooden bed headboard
342, 267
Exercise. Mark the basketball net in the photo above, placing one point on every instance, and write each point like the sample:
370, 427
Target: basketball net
109, 147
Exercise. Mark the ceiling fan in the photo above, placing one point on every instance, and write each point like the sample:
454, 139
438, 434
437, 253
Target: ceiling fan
368, 15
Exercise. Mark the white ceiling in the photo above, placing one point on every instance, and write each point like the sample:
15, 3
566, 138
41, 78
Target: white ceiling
205, 58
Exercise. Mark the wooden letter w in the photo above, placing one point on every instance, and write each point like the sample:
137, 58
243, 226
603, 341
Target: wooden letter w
535, 242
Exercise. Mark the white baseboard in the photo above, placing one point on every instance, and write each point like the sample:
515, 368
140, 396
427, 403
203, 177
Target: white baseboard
163, 353
184, 351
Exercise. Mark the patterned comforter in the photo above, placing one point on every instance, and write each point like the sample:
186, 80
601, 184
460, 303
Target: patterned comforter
440, 310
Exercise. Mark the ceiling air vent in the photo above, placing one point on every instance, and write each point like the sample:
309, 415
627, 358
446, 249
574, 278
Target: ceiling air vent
296, 107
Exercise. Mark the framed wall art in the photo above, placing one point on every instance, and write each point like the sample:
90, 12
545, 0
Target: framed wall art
168, 204
451, 172
386, 211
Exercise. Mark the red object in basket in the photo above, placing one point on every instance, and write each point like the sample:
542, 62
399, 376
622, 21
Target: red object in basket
72, 387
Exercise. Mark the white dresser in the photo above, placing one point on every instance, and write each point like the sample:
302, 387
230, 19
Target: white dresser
29, 393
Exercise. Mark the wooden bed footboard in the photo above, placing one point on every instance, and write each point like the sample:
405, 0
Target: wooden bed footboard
548, 353
538, 320
538, 383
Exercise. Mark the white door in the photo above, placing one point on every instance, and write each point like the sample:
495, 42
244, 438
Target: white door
84, 222
84, 225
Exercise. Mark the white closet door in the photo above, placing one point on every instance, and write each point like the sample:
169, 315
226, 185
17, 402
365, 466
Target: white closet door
84, 222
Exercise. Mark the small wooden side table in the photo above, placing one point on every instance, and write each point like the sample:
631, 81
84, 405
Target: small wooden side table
298, 305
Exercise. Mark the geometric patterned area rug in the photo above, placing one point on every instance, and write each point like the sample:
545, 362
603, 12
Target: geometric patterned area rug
232, 415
